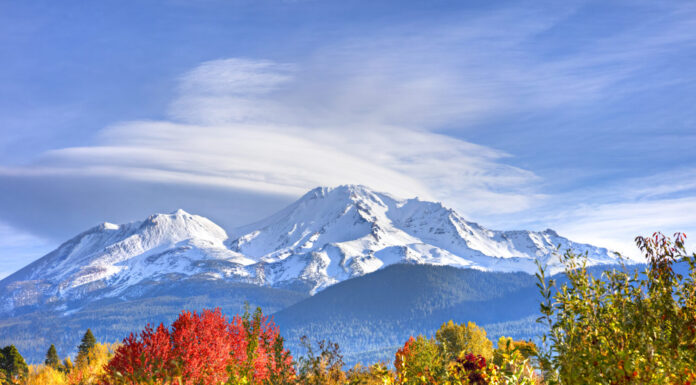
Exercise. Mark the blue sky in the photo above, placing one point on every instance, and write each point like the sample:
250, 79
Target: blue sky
572, 115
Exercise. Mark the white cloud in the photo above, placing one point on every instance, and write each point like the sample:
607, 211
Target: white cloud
234, 77
240, 134
616, 225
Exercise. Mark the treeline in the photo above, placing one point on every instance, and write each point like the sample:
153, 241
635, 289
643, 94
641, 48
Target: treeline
111, 319
615, 328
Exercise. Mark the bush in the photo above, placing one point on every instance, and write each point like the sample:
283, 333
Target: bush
91, 370
45, 375
469, 369
420, 361
623, 328
515, 362
507, 346
203, 348
375, 374
326, 368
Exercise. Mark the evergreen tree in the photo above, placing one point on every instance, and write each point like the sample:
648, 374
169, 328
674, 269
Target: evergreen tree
52, 359
12, 363
87, 343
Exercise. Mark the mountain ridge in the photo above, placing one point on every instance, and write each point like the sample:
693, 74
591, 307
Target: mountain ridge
327, 236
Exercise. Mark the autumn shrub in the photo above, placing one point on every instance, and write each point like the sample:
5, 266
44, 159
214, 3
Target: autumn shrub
515, 362
469, 369
90, 370
203, 348
375, 374
323, 366
506, 345
45, 375
420, 361
621, 327
458, 354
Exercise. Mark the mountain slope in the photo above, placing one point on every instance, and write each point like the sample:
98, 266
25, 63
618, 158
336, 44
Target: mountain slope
370, 316
109, 260
332, 234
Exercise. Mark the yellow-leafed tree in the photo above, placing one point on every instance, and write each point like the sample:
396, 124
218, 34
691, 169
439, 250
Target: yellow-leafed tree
457, 338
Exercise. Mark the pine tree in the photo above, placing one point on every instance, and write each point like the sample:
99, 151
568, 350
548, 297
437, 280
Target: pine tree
86, 345
12, 363
52, 359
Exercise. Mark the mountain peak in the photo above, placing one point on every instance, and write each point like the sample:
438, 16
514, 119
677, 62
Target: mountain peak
334, 233
346, 191
178, 213
108, 226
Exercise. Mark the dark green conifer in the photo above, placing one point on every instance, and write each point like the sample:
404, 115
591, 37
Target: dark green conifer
88, 342
12, 363
52, 359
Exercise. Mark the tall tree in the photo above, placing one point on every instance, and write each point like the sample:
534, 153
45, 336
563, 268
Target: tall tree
12, 363
52, 359
87, 343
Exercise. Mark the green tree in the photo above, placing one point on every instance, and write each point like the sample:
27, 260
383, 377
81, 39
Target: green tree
12, 363
86, 345
52, 359
455, 338
621, 327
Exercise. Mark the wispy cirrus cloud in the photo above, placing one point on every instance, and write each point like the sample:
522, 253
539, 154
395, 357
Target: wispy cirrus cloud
231, 128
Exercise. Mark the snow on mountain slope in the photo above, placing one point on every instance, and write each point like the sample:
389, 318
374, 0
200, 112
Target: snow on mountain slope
327, 236
332, 234
107, 259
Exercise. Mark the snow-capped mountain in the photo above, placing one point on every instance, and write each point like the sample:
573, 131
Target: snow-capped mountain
327, 236
107, 259
332, 234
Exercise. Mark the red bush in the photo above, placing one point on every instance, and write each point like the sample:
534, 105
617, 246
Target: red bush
202, 348
472, 367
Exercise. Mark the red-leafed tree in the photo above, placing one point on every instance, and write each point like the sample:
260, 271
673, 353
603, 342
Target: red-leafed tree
203, 348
